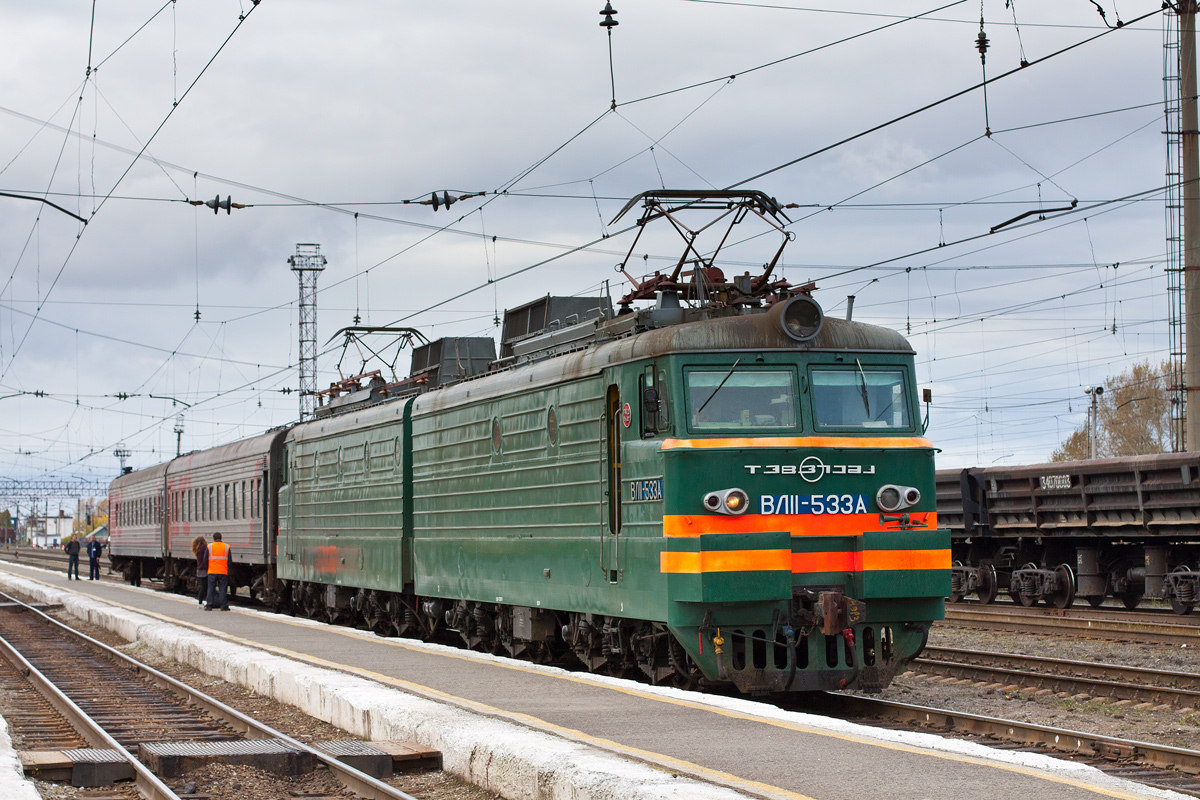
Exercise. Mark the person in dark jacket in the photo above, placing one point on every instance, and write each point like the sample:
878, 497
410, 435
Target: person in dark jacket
200, 551
94, 549
72, 548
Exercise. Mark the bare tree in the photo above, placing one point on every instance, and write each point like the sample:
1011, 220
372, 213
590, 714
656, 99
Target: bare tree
1133, 416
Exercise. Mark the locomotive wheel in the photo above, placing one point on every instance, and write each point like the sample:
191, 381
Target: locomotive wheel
1130, 599
685, 675
1064, 595
989, 585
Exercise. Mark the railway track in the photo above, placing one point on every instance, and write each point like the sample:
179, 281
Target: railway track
67, 690
1109, 681
1092, 623
1154, 765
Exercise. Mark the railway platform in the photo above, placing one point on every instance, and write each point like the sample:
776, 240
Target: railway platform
524, 730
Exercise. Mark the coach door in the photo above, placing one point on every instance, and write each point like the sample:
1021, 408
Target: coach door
164, 522
611, 464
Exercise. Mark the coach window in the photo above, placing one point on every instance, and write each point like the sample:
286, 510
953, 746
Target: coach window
736, 397
852, 398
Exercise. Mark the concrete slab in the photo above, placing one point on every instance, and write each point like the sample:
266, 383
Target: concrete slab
97, 767
523, 730
172, 759
360, 755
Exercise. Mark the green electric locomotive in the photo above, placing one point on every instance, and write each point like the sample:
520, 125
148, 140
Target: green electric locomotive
724, 486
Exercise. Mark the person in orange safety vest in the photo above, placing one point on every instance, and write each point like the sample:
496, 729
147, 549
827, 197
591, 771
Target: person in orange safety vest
218, 574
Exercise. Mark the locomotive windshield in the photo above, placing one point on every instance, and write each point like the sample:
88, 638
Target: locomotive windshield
740, 398
858, 398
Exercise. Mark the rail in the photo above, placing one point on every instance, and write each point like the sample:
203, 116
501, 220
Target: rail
1112, 681
1170, 761
356, 781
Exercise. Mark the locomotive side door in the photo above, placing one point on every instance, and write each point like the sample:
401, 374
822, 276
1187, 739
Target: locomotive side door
611, 485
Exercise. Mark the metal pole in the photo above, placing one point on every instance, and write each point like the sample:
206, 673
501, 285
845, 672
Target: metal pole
1191, 216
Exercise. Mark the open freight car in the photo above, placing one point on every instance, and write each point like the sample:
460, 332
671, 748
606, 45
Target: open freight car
1126, 528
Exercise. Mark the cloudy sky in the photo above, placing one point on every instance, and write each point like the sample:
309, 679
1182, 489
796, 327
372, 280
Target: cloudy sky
323, 117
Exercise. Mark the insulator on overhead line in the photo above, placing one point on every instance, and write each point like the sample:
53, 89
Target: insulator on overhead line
216, 204
608, 13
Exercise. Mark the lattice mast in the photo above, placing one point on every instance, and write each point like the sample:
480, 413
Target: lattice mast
308, 263
1174, 227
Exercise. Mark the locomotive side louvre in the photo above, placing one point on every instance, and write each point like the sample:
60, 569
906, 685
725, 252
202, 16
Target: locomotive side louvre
343, 505
503, 514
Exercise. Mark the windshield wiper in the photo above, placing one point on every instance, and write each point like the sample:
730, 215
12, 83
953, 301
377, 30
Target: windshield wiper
862, 376
719, 385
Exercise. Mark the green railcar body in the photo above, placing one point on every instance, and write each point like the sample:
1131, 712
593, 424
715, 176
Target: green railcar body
560, 499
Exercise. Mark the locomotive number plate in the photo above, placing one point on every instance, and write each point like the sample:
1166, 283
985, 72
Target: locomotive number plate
645, 490
812, 504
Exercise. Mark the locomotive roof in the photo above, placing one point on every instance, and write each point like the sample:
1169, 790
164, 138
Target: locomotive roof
724, 334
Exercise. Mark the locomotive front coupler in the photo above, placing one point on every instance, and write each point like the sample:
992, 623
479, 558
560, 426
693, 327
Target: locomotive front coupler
829, 609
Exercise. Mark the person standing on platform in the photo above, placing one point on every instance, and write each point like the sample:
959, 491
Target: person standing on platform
200, 551
72, 548
218, 574
94, 549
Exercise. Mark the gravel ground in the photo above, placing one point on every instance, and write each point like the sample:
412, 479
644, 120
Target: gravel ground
1175, 727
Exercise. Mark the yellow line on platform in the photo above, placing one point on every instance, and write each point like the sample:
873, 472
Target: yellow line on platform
537, 723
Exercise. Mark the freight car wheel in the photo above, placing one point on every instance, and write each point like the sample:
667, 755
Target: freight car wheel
989, 585
1064, 594
1179, 606
1027, 600
956, 597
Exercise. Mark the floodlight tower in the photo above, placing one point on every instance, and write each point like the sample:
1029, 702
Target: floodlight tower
308, 263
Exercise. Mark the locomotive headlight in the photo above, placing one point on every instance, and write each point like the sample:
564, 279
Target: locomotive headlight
893, 498
727, 501
801, 318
